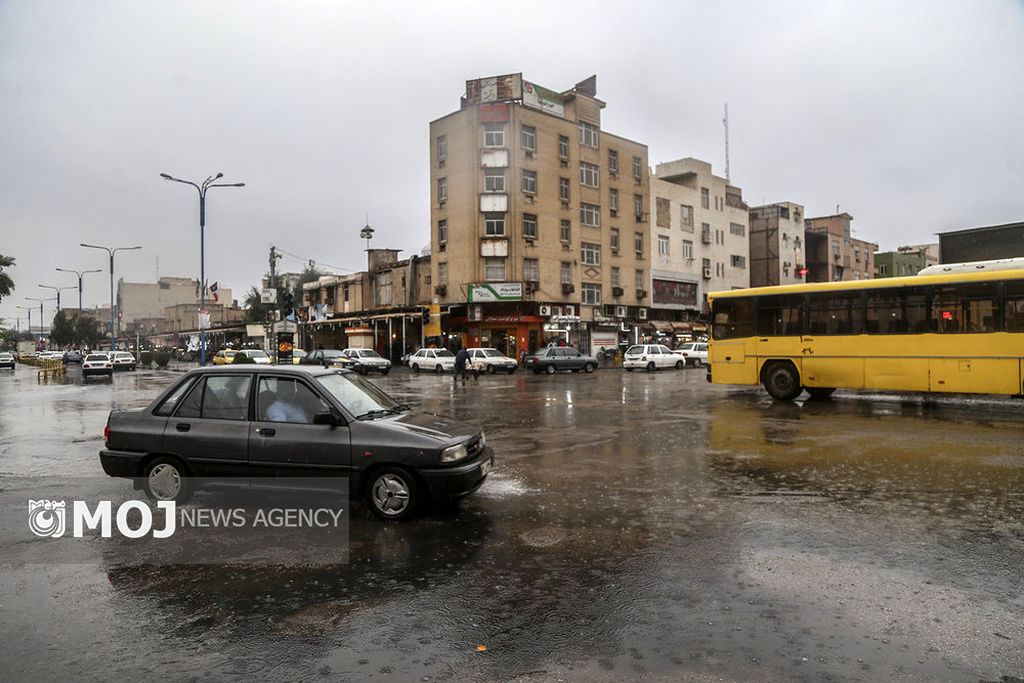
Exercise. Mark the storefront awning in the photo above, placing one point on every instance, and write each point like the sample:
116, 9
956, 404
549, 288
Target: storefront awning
662, 326
682, 327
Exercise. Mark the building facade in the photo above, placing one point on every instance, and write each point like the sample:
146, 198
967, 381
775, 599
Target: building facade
539, 218
905, 260
844, 257
982, 244
144, 300
777, 249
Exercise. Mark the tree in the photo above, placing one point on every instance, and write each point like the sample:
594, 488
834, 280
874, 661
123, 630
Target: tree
6, 283
256, 310
62, 330
87, 330
309, 274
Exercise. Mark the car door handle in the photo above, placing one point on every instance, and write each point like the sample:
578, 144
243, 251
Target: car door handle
266, 431
183, 426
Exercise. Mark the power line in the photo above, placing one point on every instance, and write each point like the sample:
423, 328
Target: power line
308, 260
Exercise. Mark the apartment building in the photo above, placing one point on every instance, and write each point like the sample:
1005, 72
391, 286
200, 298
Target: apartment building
777, 250
699, 240
150, 299
838, 255
539, 218
905, 260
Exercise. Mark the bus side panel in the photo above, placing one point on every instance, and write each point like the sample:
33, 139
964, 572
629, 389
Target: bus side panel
730, 363
833, 372
975, 375
896, 374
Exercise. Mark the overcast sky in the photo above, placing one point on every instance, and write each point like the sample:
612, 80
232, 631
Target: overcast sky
908, 115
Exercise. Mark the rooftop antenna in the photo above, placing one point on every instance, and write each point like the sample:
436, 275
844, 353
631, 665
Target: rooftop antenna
725, 122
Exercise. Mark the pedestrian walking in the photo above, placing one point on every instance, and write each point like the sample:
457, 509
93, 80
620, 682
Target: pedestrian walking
460, 365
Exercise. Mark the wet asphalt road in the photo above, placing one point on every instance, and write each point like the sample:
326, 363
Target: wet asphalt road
637, 526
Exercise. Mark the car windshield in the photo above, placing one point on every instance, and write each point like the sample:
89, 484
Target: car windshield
256, 353
368, 353
444, 353
492, 353
331, 353
359, 396
298, 353
685, 347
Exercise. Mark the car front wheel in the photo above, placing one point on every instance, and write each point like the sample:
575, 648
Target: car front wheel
166, 479
550, 369
588, 368
651, 367
415, 367
438, 369
680, 364
384, 371
392, 493
696, 362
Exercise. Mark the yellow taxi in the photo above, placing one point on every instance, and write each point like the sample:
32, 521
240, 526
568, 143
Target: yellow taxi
224, 357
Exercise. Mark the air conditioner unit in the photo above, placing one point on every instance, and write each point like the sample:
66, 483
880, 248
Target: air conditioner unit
641, 293
641, 313
616, 291
529, 287
441, 290
568, 310
707, 272
544, 310
620, 311
567, 288
556, 310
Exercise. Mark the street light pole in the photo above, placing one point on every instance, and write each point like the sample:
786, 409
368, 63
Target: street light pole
79, 273
41, 318
29, 309
202, 188
110, 252
56, 289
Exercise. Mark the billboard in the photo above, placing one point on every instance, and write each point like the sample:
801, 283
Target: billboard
495, 89
496, 291
674, 292
541, 98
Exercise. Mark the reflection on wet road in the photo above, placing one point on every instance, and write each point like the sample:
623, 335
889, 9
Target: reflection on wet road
637, 525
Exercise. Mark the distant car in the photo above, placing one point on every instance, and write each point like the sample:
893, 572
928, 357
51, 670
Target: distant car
554, 358
6, 361
224, 356
297, 356
97, 364
367, 360
259, 356
73, 356
433, 360
327, 357
651, 357
123, 360
492, 360
694, 353
50, 355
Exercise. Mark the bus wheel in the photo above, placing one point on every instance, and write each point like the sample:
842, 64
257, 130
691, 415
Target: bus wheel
782, 381
820, 392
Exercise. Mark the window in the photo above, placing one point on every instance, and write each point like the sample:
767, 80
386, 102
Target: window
531, 270
530, 225
705, 198
638, 207
638, 243
566, 272
663, 249
856, 254
442, 230
738, 261
640, 281
591, 294
494, 180
590, 214
218, 398
287, 400
835, 247
613, 240
529, 182
494, 269
589, 174
1013, 306
563, 147
563, 189
590, 254
442, 190
732, 318
384, 288
964, 308
779, 316
565, 231
737, 229
637, 165
615, 276
686, 217
719, 203
662, 212
528, 138
613, 201
442, 147
494, 135
442, 273
588, 134
687, 249
896, 311
613, 161
171, 402
494, 224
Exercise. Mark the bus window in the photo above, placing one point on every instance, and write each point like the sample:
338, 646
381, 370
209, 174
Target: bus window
915, 307
1013, 306
964, 308
897, 311
779, 316
840, 313
732, 318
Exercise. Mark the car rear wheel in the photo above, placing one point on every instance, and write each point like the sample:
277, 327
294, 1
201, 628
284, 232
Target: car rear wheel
588, 368
782, 381
490, 369
415, 367
680, 364
166, 479
550, 369
651, 367
392, 493
438, 369
696, 362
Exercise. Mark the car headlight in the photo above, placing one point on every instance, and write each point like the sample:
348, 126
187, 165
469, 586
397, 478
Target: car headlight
483, 440
454, 454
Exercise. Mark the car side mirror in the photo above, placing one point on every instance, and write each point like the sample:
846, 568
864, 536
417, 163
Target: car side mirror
327, 418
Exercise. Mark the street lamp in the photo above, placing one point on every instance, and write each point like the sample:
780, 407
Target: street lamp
111, 253
56, 289
79, 273
35, 298
202, 188
29, 309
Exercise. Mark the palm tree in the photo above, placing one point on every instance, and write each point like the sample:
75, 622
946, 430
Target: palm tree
6, 283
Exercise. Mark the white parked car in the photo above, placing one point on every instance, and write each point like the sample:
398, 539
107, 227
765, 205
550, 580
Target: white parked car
122, 360
6, 361
259, 356
694, 353
50, 355
651, 357
436, 360
367, 360
97, 364
491, 360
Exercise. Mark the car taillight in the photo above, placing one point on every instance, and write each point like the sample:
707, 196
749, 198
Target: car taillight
106, 436
643, 358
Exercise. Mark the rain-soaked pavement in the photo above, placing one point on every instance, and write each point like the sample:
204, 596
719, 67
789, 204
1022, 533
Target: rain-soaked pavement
637, 526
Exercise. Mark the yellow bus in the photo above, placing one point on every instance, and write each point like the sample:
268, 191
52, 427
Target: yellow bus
955, 329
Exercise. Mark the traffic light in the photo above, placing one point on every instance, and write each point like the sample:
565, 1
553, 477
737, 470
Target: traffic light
289, 307
426, 316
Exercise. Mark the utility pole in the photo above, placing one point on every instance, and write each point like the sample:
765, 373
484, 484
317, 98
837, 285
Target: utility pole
274, 256
725, 122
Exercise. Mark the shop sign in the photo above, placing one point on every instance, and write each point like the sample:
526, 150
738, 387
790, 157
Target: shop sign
496, 291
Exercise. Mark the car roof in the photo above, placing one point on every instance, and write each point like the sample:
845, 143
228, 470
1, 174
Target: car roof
295, 370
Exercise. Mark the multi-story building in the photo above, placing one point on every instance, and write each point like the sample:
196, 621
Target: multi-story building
698, 242
905, 260
539, 218
982, 244
844, 257
150, 299
777, 250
